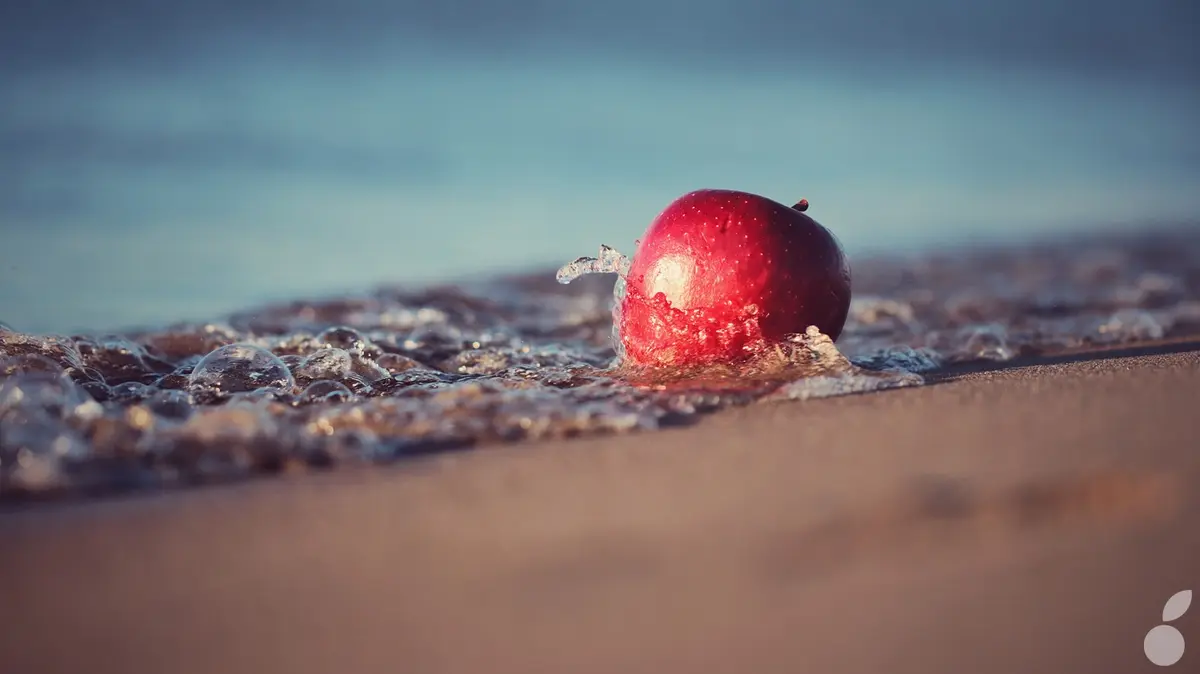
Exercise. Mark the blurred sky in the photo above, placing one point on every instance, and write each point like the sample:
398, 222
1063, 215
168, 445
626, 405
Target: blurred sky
172, 160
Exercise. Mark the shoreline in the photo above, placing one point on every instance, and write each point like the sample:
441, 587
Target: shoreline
987, 369
1025, 517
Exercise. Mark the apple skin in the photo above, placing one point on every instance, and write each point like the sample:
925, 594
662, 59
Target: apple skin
719, 272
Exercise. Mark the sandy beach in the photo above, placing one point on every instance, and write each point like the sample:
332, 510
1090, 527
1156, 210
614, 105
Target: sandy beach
1033, 518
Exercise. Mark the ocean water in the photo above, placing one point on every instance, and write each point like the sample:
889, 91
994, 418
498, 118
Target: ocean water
245, 238
136, 195
375, 377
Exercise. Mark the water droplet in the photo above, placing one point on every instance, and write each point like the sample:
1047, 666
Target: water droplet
240, 367
326, 390
329, 363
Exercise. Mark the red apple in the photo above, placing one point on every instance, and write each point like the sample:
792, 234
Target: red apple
720, 272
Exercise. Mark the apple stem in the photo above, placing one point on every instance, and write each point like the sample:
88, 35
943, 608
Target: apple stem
801, 205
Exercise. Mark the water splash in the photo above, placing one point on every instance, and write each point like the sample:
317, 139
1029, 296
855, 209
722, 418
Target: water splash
393, 372
609, 262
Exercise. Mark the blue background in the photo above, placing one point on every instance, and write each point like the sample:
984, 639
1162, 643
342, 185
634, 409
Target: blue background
165, 161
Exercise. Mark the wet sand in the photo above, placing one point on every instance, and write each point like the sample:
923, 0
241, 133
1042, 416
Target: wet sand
1029, 519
